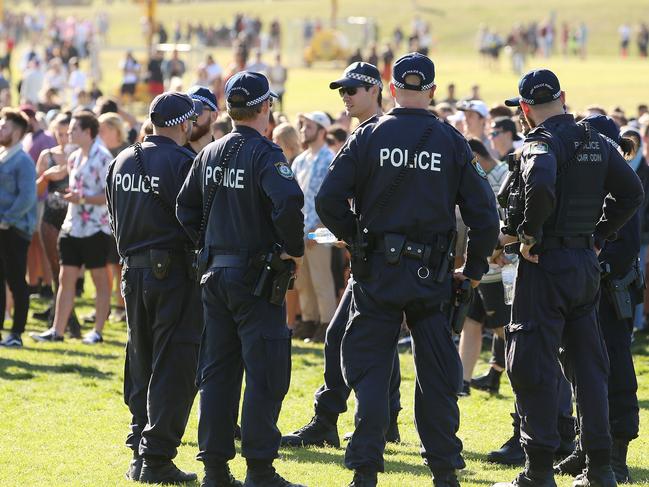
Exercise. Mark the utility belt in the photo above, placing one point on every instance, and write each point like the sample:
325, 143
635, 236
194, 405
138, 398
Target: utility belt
619, 290
436, 258
160, 261
557, 242
269, 275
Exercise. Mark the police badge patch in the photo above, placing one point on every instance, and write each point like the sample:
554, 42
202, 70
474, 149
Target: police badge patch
478, 168
284, 170
536, 149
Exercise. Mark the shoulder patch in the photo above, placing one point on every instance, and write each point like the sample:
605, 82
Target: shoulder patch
478, 168
536, 148
284, 170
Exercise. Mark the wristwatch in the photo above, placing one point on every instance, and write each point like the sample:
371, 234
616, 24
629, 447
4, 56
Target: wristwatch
526, 240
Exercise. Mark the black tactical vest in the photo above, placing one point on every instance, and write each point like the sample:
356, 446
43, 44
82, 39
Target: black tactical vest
581, 170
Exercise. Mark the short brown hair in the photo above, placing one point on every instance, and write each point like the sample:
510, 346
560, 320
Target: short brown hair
17, 117
240, 114
87, 121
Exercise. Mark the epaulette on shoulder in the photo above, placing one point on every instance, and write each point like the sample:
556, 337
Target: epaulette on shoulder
270, 143
185, 151
446, 124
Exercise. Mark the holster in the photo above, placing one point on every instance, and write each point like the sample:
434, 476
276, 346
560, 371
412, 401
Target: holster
160, 263
460, 304
619, 292
358, 250
275, 277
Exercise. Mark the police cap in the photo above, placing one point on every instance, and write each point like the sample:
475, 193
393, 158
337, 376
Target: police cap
173, 108
358, 74
252, 87
417, 64
205, 96
536, 87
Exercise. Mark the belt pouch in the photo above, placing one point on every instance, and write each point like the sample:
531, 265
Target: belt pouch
393, 243
160, 263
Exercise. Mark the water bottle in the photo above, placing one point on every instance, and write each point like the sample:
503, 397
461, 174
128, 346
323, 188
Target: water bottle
322, 236
509, 278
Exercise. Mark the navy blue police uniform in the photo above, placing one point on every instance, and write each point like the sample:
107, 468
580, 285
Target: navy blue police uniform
162, 302
330, 400
257, 207
568, 171
621, 276
409, 268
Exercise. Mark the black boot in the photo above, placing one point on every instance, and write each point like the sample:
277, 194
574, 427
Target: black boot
465, 390
596, 476
157, 470
43, 315
489, 382
530, 478
618, 460
511, 453
364, 478
219, 476
392, 435
320, 430
261, 473
573, 464
135, 468
445, 478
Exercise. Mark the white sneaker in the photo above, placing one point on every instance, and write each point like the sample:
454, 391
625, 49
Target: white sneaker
92, 338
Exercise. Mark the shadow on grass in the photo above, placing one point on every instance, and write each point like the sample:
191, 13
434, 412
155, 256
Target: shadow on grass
71, 353
28, 370
639, 474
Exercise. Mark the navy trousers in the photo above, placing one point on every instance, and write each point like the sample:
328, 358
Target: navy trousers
331, 397
555, 307
368, 348
164, 327
242, 332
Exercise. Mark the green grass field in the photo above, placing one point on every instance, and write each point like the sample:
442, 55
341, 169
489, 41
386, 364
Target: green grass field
64, 422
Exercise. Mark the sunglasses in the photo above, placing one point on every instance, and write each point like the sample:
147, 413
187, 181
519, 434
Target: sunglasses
350, 90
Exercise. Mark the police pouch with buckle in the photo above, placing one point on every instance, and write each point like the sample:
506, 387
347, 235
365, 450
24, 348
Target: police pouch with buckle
393, 243
160, 263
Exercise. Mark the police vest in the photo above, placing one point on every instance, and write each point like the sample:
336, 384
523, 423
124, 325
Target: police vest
581, 169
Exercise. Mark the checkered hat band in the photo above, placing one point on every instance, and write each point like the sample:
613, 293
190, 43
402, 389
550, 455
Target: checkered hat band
258, 99
205, 100
365, 79
614, 143
181, 119
398, 84
529, 101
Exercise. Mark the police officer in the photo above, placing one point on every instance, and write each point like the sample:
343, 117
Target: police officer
567, 170
360, 89
162, 303
621, 290
244, 186
202, 132
402, 243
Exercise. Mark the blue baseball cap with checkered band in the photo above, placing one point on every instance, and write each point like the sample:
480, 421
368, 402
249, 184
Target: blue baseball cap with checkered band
173, 108
205, 96
358, 74
536, 87
252, 87
417, 64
